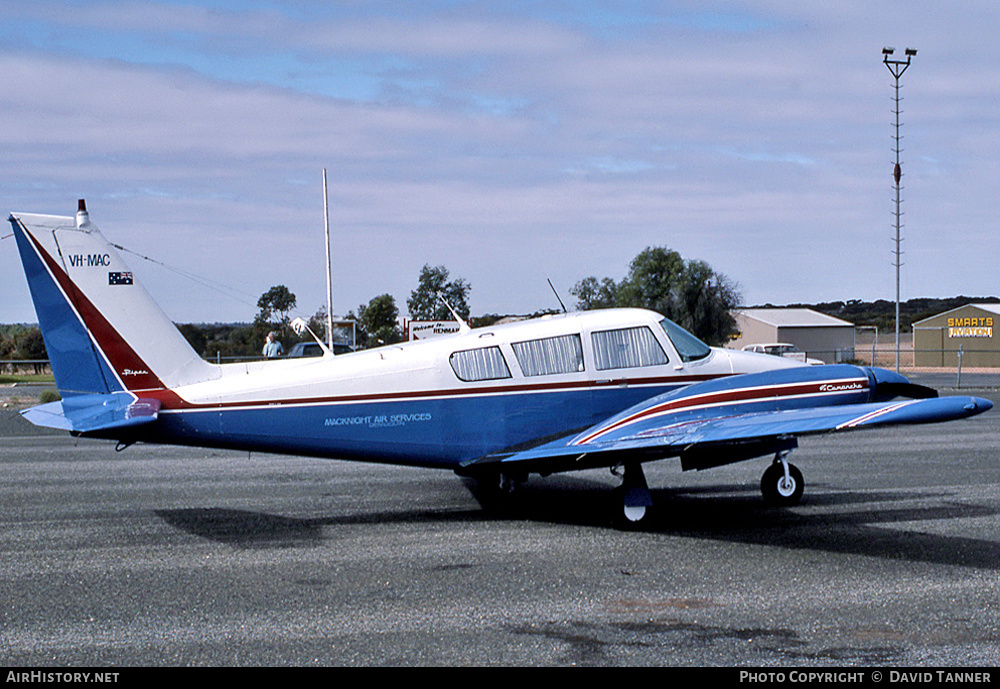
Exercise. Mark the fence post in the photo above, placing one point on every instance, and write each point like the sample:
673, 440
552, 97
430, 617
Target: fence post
958, 383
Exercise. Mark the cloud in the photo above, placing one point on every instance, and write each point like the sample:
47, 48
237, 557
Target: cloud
512, 145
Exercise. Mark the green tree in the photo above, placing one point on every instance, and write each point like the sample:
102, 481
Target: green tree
277, 301
30, 345
691, 294
317, 323
653, 281
592, 293
705, 301
424, 304
378, 321
195, 337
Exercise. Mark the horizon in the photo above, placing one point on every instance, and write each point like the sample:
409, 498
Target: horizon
402, 320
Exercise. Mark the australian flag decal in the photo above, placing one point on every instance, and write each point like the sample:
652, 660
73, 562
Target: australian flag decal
120, 278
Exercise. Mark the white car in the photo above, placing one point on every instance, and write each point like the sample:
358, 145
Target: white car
783, 349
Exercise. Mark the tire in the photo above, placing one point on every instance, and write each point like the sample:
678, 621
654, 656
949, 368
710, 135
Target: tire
499, 492
632, 518
775, 490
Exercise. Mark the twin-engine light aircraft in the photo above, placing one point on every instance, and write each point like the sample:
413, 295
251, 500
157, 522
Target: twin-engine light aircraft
612, 388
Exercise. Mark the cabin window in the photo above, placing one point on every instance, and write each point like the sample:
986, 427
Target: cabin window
688, 347
626, 348
550, 356
479, 364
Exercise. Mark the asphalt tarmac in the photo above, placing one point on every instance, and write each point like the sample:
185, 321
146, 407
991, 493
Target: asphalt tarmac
179, 556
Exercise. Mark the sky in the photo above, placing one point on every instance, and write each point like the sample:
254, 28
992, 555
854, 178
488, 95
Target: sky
513, 143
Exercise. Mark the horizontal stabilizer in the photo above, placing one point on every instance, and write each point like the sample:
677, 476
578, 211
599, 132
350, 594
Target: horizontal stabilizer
92, 413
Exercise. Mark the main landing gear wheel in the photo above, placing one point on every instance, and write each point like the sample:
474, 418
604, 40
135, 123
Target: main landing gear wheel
782, 484
499, 490
636, 499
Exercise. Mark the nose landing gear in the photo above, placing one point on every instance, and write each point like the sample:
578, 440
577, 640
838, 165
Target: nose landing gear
782, 484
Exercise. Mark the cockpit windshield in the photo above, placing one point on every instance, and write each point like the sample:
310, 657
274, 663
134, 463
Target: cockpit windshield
689, 347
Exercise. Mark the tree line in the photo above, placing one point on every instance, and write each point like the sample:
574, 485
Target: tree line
20, 341
882, 312
375, 323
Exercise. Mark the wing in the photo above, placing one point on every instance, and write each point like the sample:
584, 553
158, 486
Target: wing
725, 421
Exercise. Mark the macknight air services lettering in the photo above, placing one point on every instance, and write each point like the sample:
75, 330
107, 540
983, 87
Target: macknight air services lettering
378, 421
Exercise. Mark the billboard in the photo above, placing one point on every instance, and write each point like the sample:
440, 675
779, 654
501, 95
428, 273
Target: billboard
421, 330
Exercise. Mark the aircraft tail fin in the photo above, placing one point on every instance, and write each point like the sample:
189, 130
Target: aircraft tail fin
103, 332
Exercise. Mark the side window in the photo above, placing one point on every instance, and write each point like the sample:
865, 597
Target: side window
626, 348
479, 364
549, 356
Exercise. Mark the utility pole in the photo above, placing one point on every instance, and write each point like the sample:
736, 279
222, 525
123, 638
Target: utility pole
896, 68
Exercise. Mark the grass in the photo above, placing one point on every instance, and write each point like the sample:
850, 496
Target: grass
8, 379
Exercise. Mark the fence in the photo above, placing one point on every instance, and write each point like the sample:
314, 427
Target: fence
884, 356
22, 366
41, 366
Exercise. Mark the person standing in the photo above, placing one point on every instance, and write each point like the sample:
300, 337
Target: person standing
272, 348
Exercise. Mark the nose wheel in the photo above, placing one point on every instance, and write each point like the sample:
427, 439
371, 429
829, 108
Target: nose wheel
782, 484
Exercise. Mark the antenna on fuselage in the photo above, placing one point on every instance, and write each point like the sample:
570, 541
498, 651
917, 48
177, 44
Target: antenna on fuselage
463, 327
557, 295
300, 325
329, 267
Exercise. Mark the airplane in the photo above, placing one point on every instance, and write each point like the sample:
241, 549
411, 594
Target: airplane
609, 388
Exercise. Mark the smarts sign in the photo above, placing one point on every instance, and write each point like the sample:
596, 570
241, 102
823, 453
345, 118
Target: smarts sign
970, 327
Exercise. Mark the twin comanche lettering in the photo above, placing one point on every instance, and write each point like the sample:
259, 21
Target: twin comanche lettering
845, 386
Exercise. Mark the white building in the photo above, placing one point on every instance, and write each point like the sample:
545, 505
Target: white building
818, 335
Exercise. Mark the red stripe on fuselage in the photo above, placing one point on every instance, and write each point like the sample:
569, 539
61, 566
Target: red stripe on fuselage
452, 392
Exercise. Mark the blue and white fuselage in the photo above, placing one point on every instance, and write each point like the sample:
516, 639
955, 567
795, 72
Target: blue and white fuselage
417, 403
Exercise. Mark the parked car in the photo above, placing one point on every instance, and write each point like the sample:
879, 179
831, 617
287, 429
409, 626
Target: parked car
783, 349
307, 349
